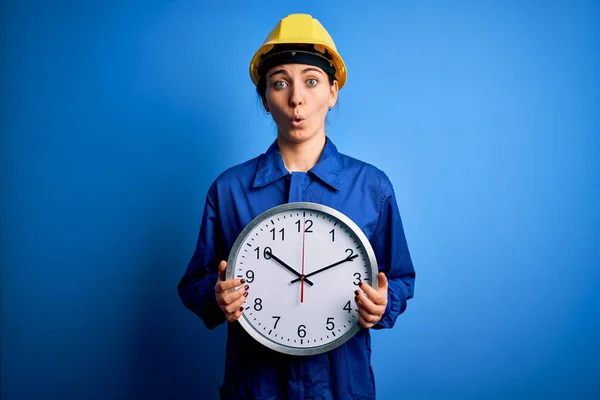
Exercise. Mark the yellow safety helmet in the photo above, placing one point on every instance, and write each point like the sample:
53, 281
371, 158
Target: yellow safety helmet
300, 29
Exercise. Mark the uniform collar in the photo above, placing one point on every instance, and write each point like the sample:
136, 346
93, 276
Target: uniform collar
328, 169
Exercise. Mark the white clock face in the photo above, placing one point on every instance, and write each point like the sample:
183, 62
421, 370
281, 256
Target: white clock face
303, 262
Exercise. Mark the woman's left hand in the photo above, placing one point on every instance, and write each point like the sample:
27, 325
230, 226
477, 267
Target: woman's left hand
371, 308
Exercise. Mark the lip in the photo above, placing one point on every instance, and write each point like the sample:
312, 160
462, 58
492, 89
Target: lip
297, 121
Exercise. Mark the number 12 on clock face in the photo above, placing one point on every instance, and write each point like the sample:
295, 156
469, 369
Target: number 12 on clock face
303, 262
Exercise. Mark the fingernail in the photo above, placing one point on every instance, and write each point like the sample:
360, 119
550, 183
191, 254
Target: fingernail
246, 294
360, 283
356, 293
243, 281
246, 287
241, 308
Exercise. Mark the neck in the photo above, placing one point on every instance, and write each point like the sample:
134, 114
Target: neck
301, 157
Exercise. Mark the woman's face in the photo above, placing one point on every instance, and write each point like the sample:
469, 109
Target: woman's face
299, 97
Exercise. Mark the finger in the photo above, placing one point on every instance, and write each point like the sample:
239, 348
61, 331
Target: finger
371, 292
228, 284
241, 302
364, 323
233, 303
236, 315
366, 303
367, 317
231, 296
378, 296
222, 269
383, 282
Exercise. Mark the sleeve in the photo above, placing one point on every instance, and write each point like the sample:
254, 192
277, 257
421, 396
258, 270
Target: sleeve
197, 286
393, 259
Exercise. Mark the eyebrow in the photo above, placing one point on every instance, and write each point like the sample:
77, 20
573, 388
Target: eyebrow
311, 69
279, 71
283, 71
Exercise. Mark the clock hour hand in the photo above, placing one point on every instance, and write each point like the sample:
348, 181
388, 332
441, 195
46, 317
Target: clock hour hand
350, 258
292, 270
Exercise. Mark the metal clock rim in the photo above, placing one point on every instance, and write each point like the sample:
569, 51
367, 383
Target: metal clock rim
249, 328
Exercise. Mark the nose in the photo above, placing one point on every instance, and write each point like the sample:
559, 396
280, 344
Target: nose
296, 96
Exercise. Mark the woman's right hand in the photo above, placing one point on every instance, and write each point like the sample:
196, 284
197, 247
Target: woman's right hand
230, 302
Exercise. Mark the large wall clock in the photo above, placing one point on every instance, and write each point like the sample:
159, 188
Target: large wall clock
303, 261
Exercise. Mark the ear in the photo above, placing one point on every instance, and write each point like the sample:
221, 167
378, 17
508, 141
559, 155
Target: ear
333, 94
265, 104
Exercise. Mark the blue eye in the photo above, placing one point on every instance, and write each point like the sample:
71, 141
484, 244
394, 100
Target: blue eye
312, 82
280, 84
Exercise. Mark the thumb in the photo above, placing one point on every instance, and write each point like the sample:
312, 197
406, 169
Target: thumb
222, 269
383, 282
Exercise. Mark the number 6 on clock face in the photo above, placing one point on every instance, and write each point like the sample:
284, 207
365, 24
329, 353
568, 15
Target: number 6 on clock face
303, 262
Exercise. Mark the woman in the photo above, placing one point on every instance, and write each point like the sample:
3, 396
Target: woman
298, 73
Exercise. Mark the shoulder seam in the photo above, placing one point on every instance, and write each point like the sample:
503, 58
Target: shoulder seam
384, 197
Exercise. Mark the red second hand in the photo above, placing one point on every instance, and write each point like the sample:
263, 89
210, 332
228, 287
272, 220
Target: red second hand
302, 280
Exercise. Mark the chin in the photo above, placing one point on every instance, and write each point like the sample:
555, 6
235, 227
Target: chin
299, 135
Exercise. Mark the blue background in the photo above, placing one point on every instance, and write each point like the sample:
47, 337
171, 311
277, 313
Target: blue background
116, 117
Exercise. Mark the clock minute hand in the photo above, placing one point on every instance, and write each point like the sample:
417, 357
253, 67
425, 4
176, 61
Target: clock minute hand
292, 270
327, 267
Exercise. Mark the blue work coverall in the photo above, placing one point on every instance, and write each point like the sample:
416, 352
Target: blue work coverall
357, 189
